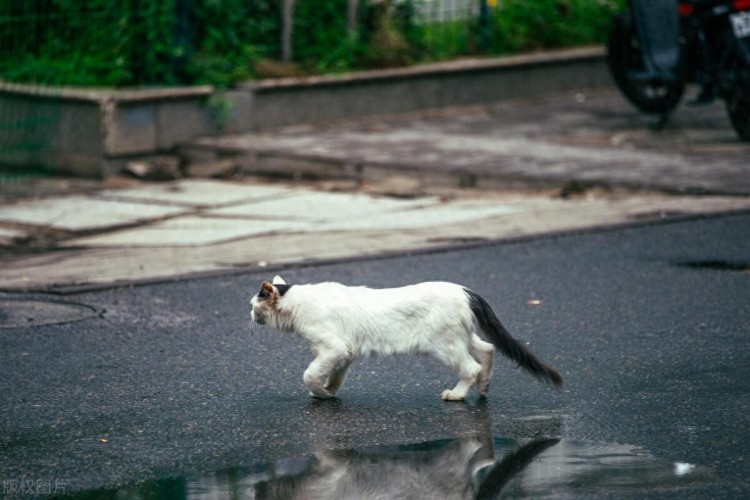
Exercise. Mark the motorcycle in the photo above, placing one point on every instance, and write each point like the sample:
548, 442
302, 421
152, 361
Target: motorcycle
657, 47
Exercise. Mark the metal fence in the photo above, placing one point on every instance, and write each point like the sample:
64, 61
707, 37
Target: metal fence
442, 11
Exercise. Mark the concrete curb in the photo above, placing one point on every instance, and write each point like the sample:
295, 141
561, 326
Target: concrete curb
434, 69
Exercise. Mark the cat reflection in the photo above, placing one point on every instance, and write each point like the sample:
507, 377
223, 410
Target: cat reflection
460, 468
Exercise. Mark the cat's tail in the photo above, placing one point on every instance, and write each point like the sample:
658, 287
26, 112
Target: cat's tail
510, 347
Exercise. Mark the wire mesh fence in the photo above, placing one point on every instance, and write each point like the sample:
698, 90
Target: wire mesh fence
40, 45
23, 126
449, 28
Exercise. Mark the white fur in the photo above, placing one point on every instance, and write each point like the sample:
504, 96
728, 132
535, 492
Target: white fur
343, 323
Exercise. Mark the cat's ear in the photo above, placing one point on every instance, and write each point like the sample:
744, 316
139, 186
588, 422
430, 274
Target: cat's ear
278, 280
267, 287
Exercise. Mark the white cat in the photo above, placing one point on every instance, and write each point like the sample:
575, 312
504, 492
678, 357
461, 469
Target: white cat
343, 323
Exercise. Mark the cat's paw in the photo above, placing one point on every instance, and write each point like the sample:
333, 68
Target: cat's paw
321, 395
449, 395
332, 387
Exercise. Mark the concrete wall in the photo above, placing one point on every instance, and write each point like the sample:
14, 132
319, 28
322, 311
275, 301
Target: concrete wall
304, 100
95, 132
99, 130
42, 129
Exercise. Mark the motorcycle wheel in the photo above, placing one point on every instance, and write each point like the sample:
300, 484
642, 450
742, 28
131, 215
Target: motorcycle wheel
738, 109
624, 60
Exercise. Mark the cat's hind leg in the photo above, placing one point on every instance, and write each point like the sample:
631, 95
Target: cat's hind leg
468, 370
484, 353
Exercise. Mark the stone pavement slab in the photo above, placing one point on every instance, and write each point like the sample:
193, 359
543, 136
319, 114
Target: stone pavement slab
196, 193
329, 212
188, 231
425, 217
82, 213
322, 206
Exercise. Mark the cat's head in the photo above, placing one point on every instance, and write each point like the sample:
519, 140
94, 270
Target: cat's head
265, 304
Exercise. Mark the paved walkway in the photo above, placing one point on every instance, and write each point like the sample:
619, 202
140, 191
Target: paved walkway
592, 138
68, 239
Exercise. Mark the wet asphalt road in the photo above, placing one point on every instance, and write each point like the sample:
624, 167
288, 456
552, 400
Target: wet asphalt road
648, 326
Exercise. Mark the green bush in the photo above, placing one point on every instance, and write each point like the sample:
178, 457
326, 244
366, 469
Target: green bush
520, 25
135, 42
221, 42
97, 42
228, 37
321, 42
61, 42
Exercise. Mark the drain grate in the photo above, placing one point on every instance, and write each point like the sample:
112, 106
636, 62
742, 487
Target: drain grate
718, 265
24, 313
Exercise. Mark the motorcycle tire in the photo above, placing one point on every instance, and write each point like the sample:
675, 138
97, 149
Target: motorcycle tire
738, 109
624, 60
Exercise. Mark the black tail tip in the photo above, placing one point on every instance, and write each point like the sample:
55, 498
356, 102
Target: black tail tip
549, 375
555, 379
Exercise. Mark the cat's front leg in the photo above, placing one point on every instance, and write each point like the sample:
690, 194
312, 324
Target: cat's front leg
337, 377
318, 373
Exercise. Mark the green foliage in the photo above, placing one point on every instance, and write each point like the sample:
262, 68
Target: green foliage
321, 42
220, 108
389, 35
58, 42
95, 42
445, 40
520, 25
135, 42
229, 36
169, 42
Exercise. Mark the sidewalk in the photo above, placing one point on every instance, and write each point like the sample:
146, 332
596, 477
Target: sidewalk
587, 137
169, 230
461, 176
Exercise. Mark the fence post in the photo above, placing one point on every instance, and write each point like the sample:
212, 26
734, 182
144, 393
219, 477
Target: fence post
287, 30
351, 17
182, 39
485, 28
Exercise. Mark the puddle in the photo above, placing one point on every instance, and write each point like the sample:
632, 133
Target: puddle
473, 467
21, 313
